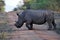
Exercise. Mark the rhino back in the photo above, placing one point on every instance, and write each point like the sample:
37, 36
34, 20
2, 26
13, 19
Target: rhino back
37, 13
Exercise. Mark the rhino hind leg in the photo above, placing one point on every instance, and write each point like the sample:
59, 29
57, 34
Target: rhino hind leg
54, 25
50, 26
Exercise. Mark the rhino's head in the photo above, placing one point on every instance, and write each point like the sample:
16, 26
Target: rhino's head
20, 21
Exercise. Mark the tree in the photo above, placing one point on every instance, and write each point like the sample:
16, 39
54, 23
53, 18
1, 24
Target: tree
41, 4
2, 4
15, 9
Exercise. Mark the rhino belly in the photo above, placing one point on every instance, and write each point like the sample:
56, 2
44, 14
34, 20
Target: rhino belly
39, 21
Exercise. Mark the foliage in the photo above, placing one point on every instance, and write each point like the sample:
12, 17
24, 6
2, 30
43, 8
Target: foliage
2, 9
3, 35
15, 9
42, 4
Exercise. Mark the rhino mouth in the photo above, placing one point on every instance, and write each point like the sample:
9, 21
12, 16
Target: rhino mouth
18, 26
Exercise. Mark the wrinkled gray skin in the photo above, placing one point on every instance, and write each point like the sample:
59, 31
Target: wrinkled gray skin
31, 17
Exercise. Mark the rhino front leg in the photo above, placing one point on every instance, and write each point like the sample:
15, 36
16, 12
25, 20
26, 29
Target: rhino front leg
29, 26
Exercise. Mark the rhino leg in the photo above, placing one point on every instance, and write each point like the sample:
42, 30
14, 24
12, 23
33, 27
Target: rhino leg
54, 24
50, 26
29, 26
29, 23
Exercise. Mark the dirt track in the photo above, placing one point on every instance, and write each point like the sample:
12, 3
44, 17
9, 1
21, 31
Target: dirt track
40, 32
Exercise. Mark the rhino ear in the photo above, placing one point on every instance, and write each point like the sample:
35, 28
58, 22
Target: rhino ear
17, 14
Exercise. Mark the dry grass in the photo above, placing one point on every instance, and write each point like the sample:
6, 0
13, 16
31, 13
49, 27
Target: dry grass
3, 35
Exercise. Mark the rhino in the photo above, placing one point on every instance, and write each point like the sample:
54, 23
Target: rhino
38, 17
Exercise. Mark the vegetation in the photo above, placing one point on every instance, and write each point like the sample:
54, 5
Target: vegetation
41, 4
15, 9
3, 35
2, 9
